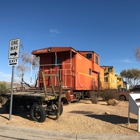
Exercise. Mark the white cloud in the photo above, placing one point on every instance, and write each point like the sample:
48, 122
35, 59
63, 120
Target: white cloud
54, 31
125, 61
5, 77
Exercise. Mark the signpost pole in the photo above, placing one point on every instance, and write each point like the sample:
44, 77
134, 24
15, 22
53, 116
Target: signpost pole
11, 99
13, 56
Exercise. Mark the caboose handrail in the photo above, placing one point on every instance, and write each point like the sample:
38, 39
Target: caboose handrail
44, 83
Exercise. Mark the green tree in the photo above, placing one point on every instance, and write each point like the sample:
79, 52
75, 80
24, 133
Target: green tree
131, 76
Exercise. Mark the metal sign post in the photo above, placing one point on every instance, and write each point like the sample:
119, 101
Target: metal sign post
11, 99
13, 56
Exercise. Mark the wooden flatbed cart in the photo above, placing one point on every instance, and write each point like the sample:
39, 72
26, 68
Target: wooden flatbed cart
40, 102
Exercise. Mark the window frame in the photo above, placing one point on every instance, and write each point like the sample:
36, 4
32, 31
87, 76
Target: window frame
97, 60
109, 69
57, 62
89, 54
106, 79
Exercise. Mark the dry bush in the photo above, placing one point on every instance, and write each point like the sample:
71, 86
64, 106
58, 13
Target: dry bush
3, 100
4, 87
109, 94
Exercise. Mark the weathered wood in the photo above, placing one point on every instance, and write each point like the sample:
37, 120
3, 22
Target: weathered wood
44, 83
35, 94
48, 93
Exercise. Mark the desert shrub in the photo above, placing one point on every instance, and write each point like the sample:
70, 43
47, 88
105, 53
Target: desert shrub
3, 87
93, 97
109, 94
3, 100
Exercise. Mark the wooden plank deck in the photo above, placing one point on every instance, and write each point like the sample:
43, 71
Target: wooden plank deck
35, 94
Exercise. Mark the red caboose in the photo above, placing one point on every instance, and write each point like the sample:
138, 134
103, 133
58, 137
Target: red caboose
79, 71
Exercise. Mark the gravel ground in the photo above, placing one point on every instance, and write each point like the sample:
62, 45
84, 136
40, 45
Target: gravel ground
81, 118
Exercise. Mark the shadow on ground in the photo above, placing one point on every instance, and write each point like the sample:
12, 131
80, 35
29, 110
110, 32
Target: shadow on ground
114, 119
22, 113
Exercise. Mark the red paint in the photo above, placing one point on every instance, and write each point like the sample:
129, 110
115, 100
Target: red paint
75, 70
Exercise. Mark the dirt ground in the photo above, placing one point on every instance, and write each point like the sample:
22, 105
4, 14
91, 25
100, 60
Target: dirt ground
82, 117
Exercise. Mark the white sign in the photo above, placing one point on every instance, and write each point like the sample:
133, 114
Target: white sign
13, 61
134, 107
14, 49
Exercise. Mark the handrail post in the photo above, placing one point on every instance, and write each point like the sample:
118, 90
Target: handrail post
44, 83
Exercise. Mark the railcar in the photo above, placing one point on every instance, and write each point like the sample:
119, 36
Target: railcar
79, 71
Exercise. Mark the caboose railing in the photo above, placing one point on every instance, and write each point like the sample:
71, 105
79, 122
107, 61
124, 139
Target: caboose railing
52, 84
64, 75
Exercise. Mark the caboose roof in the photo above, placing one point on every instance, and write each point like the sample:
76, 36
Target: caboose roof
88, 52
53, 49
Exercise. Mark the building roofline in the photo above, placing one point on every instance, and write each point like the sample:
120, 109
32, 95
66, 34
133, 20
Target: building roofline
46, 50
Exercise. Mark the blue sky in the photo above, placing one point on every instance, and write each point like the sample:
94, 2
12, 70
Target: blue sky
111, 28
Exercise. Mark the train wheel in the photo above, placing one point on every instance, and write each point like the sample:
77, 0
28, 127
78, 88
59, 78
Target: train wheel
122, 98
55, 109
82, 95
77, 96
37, 113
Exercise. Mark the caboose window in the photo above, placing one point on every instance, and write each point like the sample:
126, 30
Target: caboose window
88, 55
109, 69
96, 60
57, 62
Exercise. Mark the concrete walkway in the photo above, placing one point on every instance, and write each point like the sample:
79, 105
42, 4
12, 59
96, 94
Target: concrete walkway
8, 132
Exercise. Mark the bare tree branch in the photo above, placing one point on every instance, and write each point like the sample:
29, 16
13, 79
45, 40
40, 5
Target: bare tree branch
22, 67
137, 53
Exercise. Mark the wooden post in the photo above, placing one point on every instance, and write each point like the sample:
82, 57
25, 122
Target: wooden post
60, 95
59, 100
44, 83
138, 118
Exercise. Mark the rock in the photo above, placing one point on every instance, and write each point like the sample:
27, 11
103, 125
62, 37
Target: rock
107, 113
112, 102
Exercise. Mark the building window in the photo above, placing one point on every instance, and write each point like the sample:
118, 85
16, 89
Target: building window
106, 79
88, 55
96, 60
109, 69
119, 79
89, 71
